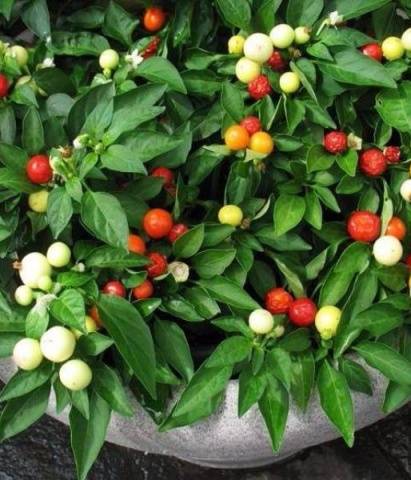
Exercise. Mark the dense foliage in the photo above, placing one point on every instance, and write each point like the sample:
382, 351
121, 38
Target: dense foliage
174, 214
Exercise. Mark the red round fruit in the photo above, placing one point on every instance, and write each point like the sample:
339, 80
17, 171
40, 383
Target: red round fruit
38, 169
259, 87
151, 48
154, 19
408, 261
396, 228
158, 264
373, 162
157, 223
114, 287
136, 244
302, 312
335, 142
177, 230
165, 173
93, 312
364, 226
392, 154
278, 301
373, 50
4, 86
251, 124
277, 62
144, 290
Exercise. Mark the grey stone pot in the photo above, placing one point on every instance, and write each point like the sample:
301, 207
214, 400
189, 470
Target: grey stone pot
224, 440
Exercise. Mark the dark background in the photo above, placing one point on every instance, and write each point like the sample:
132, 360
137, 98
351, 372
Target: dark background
381, 452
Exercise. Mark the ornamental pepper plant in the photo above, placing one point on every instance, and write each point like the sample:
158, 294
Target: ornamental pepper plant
199, 191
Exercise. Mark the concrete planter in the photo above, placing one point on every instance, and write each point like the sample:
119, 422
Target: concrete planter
224, 440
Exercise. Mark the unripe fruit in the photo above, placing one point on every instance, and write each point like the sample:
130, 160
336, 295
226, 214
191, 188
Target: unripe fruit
364, 226
392, 48
236, 44
33, 267
279, 331
246, 70
230, 215
282, 36
387, 250
38, 201
278, 301
261, 321
236, 138
397, 228
75, 375
406, 39
262, 142
373, 50
91, 326
109, 59
406, 190
27, 354
289, 82
20, 54
58, 254
23, 295
302, 35
57, 344
327, 321
45, 283
258, 47
180, 271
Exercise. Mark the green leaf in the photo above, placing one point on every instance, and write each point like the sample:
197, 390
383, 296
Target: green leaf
108, 385
104, 216
302, 378
385, 359
80, 400
91, 432
236, 13
33, 133
69, 309
319, 159
21, 412
357, 377
7, 124
209, 263
53, 80
296, 341
349, 9
36, 16
119, 24
233, 325
202, 302
94, 343
288, 212
228, 292
78, 44
160, 70
59, 210
230, 351
278, 362
174, 346
122, 159
232, 101
190, 243
313, 211
7, 343
394, 106
6, 8
274, 405
132, 337
336, 400
111, 257
250, 389
348, 162
378, 319
13, 157
352, 67
37, 320
303, 12
24, 382
179, 307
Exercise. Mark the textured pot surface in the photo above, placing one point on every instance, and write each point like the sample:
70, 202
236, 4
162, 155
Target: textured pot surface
226, 441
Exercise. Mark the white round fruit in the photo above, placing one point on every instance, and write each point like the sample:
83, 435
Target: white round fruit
406, 39
392, 48
109, 59
58, 254
27, 354
405, 190
282, 35
180, 271
23, 295
20, 54
261, 321
45, 283
302, 35
258, 47
38, 201
236, 44
33, 267
289, 82
57, 344
246, 70
327, 320
75, 375
387, 250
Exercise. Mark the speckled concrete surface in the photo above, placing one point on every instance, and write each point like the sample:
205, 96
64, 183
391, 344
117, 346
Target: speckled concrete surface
381, 452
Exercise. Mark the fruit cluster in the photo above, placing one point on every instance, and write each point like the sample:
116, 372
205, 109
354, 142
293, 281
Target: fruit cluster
392, 48
249, 134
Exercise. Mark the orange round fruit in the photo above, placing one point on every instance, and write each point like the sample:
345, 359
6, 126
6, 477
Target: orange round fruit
262, 142
236, 137
396, 228
136, 244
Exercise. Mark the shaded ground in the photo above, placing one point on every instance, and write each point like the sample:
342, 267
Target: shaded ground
381, 452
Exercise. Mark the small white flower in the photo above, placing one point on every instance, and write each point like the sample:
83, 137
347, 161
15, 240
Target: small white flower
354, 142
80, 141
134, 58
335, 18
180, 271
48, 62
